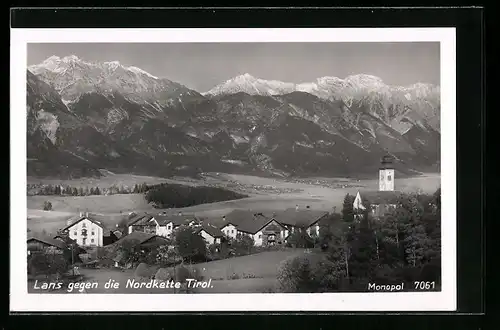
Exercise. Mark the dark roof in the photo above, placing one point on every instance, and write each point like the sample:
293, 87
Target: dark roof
211, 230
381, 197
47, 240
155, 240
162, 220
83, 218
299, 218
246, 221
176, 219
138, 236
142, 218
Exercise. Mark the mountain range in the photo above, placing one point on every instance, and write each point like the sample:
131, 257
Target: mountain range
86, 116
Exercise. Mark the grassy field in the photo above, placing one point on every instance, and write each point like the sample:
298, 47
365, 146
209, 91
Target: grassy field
262, 266
98, 203
259, 265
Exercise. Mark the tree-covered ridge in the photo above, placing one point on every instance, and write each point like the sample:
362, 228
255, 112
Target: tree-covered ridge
176, 196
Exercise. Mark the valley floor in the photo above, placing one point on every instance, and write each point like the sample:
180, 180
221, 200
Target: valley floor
265, 194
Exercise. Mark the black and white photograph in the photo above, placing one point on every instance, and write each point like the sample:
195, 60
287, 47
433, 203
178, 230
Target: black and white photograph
220, 168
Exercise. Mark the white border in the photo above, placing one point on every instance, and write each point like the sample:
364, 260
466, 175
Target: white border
21, 301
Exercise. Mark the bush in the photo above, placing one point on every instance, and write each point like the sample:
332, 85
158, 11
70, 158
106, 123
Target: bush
47, 206
47, 264
182, 273
295, 274
142, 271
163, 275
196, 273
233, 276
300, 239
190, 245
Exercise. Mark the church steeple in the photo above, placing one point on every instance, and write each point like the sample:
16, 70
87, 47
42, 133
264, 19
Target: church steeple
386, 174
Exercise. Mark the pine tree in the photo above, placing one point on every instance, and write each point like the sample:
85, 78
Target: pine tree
339, 251
80, 191
362, 261
87, 192
97, 191
347, 208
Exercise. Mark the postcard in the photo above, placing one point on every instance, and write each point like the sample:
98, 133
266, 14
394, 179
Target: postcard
233, 170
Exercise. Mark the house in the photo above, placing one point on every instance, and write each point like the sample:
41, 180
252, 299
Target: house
299, 219
85, 230
383, 200
262, 229
168, 223
142, 222
44, 244
210, 233
161, 225
141, 239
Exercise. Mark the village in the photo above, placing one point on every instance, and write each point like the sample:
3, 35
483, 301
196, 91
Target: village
242, 247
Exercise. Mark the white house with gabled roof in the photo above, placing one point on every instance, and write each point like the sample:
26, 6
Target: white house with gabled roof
85, 231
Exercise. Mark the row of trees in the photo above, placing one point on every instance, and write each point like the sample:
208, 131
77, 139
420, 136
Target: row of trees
58, 190
404, 245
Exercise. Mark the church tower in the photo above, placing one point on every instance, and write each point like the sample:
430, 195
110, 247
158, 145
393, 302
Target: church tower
386, 175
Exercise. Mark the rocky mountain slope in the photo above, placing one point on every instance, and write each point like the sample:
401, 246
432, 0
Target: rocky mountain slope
85, 116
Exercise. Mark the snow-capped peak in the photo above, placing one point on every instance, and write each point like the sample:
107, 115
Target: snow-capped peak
251, 85
57, 65
72, 76
70, 58
329, 87
141, 71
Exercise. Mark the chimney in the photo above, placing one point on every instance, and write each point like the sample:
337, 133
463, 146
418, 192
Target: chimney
81, 214
224, 217
87, 214
296, 207
180, 212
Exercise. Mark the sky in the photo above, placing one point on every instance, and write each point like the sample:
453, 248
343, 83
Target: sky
201, 66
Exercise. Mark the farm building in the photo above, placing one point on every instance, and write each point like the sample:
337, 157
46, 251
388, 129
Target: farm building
43, 244
140, 238
210, 233
300, 219
383, 200
162, 225
263, 230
